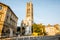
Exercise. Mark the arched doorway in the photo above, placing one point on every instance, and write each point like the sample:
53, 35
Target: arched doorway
7, 32
11, 32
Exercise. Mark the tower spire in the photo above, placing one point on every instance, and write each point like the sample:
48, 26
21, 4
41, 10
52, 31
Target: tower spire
30, 0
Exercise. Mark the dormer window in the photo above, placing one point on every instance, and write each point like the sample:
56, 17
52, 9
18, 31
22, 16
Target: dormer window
0, 7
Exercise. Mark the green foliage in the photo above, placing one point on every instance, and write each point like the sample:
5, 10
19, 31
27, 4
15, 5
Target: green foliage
39, 28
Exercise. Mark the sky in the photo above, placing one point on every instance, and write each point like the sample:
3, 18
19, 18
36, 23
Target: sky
45, 11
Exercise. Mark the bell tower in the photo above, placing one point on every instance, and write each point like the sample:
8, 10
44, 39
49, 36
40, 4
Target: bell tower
29, 11
28, 21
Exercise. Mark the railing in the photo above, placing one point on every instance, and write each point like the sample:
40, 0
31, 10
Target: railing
33, 38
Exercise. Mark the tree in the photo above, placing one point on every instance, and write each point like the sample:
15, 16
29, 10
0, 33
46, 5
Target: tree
49, 25
39, 28
56, 26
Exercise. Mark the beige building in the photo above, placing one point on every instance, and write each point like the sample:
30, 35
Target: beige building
8, 21
51, 31
28, 21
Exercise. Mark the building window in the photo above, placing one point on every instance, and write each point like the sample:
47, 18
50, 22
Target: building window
0, 17
8, 11
7, 18
0, 7
28, 15
28, 4
28, 9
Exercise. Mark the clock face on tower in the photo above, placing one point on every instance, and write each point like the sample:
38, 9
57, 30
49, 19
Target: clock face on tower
0, 7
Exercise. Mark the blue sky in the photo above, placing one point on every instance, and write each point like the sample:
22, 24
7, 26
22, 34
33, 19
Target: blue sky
45, 11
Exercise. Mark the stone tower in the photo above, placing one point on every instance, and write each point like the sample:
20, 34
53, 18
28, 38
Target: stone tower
28, 21
29, 17
29, 13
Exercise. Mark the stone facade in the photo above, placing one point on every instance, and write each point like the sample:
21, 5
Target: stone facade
51, 31
8, 21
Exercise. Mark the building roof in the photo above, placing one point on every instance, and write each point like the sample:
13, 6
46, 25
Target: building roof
9, 8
